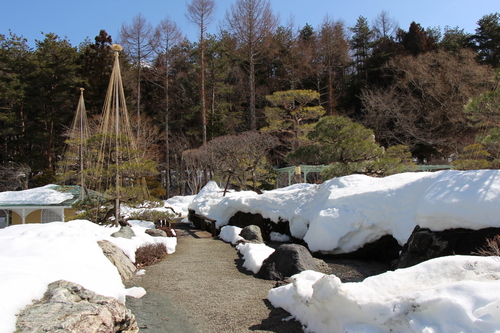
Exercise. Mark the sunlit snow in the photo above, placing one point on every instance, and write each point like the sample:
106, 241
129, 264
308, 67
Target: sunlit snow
449, 294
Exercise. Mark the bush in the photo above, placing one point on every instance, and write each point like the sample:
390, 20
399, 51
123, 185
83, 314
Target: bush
492, 247
149, 254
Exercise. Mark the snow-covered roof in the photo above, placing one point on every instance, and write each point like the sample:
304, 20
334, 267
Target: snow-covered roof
41, 196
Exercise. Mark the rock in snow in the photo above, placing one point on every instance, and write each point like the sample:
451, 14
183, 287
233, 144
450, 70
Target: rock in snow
252, 233
68, 307
123, 264
425, 244
287, 260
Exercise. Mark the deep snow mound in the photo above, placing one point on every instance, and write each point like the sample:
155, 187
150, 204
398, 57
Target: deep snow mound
343, 214
449, 294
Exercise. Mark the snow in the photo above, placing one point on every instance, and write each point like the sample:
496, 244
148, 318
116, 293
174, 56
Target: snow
343, 214
254, 255
45, 195
277, 237
230, 234
34, 255
449, 294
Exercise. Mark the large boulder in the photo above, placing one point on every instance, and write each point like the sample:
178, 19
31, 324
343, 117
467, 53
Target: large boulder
68, 307
125, 232
252, 233
425, 244
287, 260
125, 266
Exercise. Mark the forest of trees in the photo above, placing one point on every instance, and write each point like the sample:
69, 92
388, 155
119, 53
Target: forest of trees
408, 86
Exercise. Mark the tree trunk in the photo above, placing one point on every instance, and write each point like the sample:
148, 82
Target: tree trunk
202, 93
252, 117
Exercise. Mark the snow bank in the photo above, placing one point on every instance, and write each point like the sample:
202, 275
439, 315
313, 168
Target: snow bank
34, 255
343, 214
179, 204
449, 294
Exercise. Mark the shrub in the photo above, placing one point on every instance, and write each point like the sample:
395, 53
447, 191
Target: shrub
149, 254
492, 247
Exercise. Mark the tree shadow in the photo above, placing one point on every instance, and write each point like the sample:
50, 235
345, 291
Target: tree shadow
239, 265
278, 321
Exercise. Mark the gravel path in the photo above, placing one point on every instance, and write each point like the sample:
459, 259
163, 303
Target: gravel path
203, 288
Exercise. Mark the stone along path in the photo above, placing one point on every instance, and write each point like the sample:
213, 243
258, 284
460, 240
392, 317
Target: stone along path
203, 288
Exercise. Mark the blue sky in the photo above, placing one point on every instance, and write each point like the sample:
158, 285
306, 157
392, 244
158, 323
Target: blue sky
78, 19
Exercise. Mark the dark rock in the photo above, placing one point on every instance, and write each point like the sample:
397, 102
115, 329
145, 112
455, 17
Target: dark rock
156, 232
425, 244
266, 226
287, 260
385, 249
125, 266
125, 232
252, 233
68, 307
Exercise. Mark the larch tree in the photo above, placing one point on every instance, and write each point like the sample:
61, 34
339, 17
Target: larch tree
384, 27
167, 35
333, 53
201, 13
251, 22
136, 39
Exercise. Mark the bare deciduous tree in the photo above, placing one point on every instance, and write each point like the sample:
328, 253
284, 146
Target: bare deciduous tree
333, 56
251, 22
200, 12
195, 162
167, 35
242, 156
136, 40
424, 107
384, 26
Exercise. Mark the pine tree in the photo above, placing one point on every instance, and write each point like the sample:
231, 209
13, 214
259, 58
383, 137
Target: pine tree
361, 43
487, 38
292, 113
347, 147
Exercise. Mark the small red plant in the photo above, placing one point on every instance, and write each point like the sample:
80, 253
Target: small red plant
149, 254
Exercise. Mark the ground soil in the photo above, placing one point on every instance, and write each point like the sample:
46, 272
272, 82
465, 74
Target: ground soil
203, 287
